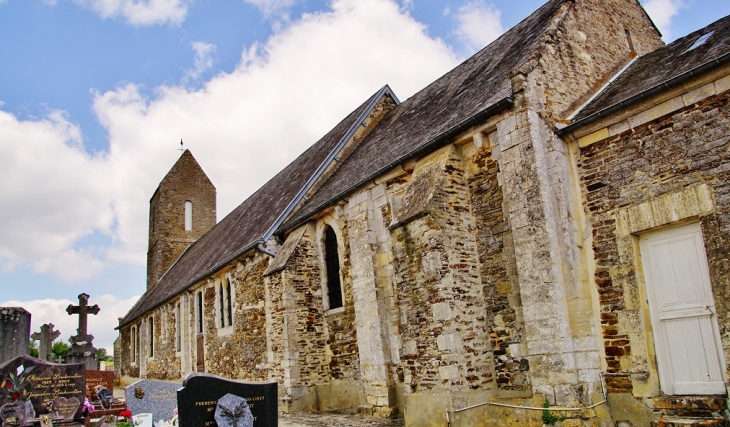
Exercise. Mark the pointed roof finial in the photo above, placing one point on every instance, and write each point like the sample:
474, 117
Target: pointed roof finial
181, 146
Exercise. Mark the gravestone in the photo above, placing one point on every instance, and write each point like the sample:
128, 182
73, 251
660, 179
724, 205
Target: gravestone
151, 396
82, 350
95, 378
14, 332
45, 339
32, 387
198, 400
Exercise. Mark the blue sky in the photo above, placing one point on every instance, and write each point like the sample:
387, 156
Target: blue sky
96, 94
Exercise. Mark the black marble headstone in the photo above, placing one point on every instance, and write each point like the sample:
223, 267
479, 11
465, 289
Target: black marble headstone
197, 400
27, 379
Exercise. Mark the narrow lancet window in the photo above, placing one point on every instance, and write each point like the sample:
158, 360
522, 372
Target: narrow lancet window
151, 330
229, 313
188, 215
200, 313
133, 344
332, 263
177, 327
224, 301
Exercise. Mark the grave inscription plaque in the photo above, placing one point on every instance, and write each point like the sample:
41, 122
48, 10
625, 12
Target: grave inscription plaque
198, 400
95, 378
28, 382
152, 396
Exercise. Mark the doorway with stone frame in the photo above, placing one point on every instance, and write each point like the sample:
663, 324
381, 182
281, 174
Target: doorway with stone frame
682, 311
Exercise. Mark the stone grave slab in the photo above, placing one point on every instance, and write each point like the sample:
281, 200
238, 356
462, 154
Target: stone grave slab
198, 400
14, 333
31, 385
152, 396
95, 378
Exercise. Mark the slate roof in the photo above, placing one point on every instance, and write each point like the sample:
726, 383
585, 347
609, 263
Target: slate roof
436, 112
666, 66
242, 229
480, 86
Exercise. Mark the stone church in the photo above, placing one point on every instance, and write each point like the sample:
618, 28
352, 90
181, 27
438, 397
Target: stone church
546, 224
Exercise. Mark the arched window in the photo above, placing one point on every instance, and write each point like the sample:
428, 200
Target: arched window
332, 264
199, 313
188, 215
151, 337
133, 343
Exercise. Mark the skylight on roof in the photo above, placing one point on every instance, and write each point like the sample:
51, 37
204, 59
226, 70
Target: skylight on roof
700, 41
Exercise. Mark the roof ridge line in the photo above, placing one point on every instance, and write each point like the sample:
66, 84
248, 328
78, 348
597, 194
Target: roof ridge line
445, 135
603, 88
674, 81
385, 90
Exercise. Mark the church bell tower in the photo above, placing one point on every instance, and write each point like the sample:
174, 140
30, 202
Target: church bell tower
182, 209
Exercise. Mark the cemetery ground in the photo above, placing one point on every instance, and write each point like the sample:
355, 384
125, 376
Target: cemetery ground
35, 389
341, 419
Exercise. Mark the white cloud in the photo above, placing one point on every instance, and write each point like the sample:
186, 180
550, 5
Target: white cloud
203, 60
273, 7
72, 265
478, 24
242, 126
101, 326
408, 4
662, 12
53, 195
140, 12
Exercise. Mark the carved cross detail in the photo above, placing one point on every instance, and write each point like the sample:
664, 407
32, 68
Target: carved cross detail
83, 309
46, 337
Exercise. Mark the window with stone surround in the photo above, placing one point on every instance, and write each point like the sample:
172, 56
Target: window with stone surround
188, 215
177, 327
199, 313
133, 344
332, 266
151, 336
225, 305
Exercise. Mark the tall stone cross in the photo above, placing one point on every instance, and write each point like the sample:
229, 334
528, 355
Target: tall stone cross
82, 350
82, 310
46, 337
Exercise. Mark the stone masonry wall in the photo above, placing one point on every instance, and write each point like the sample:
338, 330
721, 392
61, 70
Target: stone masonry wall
498, 271
439, 289
239, 351
296, 332
167, 235
589, 42
665, 156
128, 368
165, 364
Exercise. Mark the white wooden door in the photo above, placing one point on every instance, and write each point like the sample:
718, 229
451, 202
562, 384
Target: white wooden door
682, 308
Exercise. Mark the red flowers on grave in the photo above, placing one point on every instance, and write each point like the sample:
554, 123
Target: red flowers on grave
14, 385
127, 415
